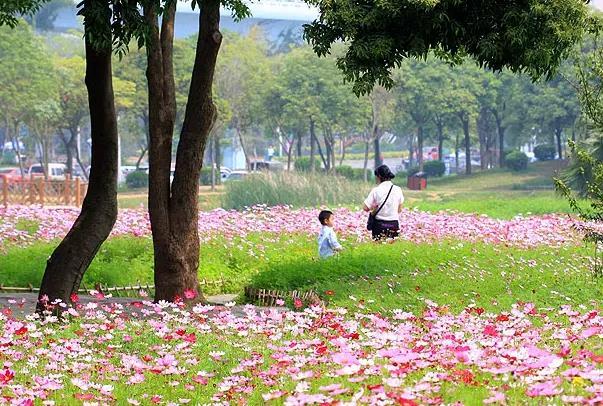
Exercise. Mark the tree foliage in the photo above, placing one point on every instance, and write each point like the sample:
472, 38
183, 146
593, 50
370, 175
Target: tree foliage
525, 36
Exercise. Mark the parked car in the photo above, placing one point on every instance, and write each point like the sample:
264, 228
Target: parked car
55, 171
236, 175
11, 174
266, 166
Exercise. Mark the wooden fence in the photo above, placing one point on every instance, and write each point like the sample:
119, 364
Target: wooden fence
266, 297
68, 192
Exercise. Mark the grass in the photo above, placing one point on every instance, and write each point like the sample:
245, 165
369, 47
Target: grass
385, 276
293, 189
208, 200
496, 193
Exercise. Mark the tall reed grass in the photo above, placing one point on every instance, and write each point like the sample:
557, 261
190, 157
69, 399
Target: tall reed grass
294, 189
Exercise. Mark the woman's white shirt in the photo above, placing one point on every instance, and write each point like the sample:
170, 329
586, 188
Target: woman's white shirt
389, 212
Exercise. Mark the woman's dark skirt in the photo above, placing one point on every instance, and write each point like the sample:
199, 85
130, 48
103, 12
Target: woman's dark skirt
383, 229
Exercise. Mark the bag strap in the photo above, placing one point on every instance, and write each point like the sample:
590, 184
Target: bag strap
383, 204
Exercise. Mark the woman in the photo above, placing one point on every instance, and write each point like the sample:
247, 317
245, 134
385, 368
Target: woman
385, 201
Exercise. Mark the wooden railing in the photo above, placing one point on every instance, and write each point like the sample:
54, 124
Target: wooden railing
68, 192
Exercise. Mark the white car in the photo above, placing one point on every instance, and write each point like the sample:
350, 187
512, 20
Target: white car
236, 175
55, 171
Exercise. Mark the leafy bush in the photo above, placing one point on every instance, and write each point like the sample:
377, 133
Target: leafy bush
8, 157
302, 164
434, 168
545, 152
353, 173
205, 178
517, 161
290, 188
137, 179
346, 171
412, 170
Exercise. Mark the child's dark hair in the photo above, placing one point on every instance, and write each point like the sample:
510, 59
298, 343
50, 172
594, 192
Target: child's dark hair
324, 216
384, 173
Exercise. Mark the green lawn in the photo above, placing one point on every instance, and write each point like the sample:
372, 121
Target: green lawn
497, 193
385, 276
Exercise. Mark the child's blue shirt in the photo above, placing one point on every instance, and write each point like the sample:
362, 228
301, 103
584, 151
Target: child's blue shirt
327, 242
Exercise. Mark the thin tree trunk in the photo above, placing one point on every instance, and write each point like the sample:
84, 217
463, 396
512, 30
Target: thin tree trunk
366, 154
245, 152
69, 261
456, 152
299, 144
411, 151
141, 157
289, 154
420, 147
218, 156
322, 156
377, 148
558, 132
500, 129
465, 121
16, 146
343, 149
312, 147
440, 126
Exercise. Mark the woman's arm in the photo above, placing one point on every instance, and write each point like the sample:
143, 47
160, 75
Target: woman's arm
369, 201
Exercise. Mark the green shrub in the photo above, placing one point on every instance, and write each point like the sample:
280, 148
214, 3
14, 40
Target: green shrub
353, 173
545, 152
412, 170
205, 178
359, 174
290, 188
434, 168
302, 164
346, 171
8, 157
137, 179
517, 161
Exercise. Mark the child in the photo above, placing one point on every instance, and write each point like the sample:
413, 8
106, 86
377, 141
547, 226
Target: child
327, 240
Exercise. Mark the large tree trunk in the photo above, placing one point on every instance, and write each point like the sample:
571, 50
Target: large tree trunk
69, 261
175, 233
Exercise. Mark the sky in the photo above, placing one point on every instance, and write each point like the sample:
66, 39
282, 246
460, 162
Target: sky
295, 9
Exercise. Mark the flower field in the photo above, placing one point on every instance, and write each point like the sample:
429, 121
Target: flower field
467, 310
23, 224
162, 354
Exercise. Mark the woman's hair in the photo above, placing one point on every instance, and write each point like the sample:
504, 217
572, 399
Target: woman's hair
324, 216
384, 173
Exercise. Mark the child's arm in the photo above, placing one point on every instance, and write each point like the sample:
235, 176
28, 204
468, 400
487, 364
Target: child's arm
333, 241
